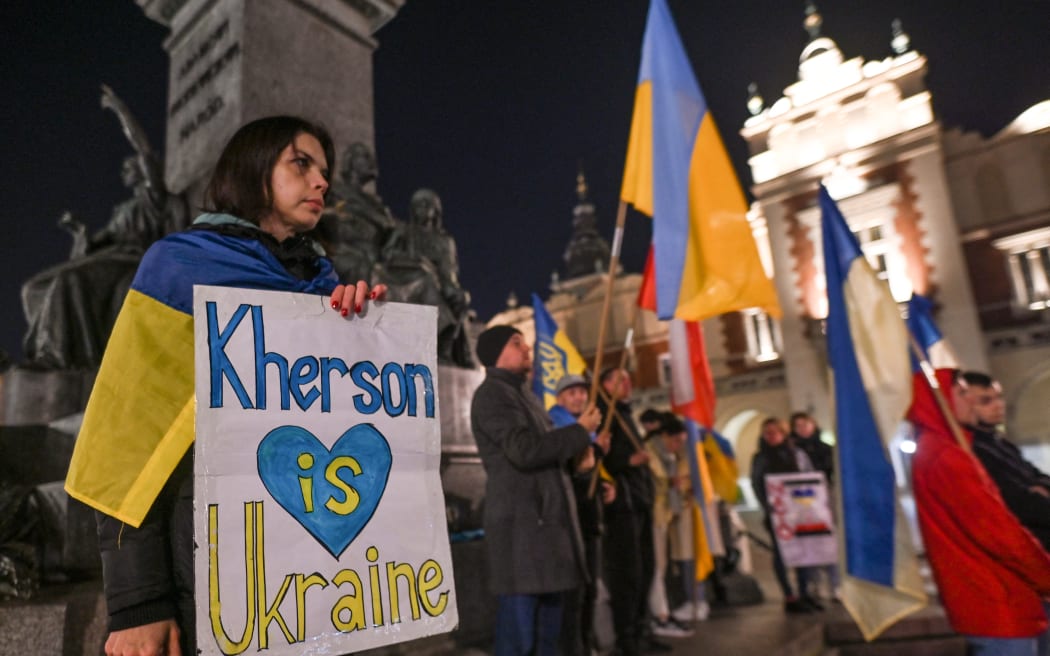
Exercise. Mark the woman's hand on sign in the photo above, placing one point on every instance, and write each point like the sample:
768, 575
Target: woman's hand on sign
351, 298
590, 419
156, 639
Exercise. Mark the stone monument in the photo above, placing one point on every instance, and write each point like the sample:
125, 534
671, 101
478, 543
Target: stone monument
70, 308
231, 61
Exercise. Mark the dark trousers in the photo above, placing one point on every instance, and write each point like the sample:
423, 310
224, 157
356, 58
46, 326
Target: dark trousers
528, 625
624, 576
578, 623
780, 569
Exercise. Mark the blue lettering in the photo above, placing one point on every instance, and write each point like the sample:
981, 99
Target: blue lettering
218, 362
262, 358
328, 365
420, 370
392, 369
357, 374
304, 370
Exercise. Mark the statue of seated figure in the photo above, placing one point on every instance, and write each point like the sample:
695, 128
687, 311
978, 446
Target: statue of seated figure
71, 307
420, 265
356, 223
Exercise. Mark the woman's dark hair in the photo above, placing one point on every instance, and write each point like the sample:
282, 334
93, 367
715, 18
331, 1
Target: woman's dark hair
241, 182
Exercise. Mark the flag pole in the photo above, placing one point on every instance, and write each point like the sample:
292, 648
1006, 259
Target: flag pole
930, 375
614, 263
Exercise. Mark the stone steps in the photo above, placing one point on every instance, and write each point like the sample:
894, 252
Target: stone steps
65, 620
924, 633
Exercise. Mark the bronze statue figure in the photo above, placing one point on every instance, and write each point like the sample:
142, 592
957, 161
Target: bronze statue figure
357, 223
71, 307
420, 265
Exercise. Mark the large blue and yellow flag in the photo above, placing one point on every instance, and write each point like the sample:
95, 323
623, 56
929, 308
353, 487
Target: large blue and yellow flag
554, 357
868, 352
139, 420
678, 173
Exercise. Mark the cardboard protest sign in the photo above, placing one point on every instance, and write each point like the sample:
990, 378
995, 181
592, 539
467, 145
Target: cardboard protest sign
318, 513
802, 522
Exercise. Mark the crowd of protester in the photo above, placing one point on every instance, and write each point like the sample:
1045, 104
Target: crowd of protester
614, 506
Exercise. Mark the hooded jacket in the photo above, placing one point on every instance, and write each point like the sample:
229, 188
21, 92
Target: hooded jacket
991, 572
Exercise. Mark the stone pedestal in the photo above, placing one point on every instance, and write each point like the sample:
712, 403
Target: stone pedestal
35, 398
40, 417
233, 61
456, 387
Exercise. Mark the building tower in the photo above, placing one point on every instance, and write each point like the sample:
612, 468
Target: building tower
867, 131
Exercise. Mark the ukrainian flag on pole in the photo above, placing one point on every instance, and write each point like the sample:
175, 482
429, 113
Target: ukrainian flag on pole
554, 355
933, 344
868, 353
678, 173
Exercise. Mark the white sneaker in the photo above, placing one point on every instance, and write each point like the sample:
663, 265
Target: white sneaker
684, 613
670, 629
703, 611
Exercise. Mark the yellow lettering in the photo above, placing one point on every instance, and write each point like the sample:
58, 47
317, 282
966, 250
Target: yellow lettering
371, 555
306, 483
273, 613
350, 496
302, 584
404, 570
352, 603
227, 645
430, 577
551, 364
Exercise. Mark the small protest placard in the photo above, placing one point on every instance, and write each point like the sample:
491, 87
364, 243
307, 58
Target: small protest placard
318, 513
802, 522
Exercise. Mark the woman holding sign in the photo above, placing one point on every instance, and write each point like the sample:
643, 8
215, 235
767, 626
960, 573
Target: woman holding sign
778, 455
132, 462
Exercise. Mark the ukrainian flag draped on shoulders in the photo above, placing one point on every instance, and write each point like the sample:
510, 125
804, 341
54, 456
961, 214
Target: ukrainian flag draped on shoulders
868, 353
139, 420
555, 355
678, 173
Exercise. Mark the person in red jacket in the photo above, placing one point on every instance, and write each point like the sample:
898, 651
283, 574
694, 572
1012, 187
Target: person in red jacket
993, 575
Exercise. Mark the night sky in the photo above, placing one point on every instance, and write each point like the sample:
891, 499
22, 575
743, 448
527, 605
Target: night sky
492, 103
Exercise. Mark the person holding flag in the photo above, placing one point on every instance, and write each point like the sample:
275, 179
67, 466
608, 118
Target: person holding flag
629, 562
992, 574
670, 470
535, 550
578, 629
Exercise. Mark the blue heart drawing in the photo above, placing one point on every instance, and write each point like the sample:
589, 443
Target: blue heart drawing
332, 493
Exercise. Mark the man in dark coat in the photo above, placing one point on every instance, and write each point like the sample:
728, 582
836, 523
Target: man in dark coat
628, 546
1025, 489
535, 550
